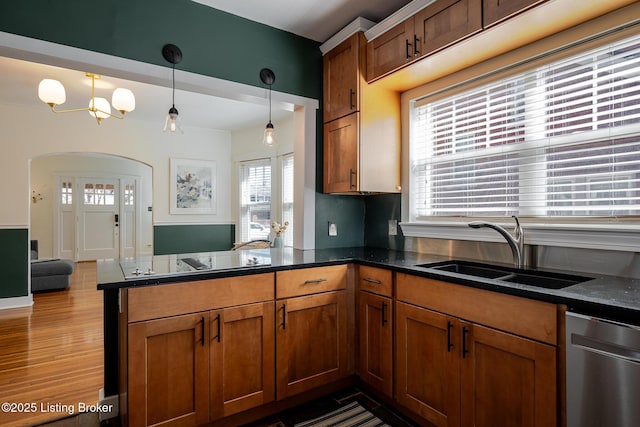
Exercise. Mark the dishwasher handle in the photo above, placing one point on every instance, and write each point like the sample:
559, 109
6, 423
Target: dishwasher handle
606, 348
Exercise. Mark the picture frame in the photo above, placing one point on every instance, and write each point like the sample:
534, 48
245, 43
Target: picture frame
192, 186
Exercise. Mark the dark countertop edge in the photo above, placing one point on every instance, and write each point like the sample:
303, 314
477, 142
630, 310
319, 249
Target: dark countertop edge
574, 301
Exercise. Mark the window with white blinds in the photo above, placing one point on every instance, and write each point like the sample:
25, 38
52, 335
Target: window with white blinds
287, 197
255, 200
558, 140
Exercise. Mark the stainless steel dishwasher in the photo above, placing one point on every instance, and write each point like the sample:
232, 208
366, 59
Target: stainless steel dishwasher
603, 372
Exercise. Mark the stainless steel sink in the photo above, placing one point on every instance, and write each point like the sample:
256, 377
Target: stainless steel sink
541, 279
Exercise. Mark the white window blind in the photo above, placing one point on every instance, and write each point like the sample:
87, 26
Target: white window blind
287, 197
255, 200
558, 140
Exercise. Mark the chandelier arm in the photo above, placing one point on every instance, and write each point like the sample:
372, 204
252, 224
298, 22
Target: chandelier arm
94, 110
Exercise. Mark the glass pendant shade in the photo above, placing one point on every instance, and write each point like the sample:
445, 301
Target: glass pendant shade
269, 136
99, 108
123, 100
51, 92
171, 123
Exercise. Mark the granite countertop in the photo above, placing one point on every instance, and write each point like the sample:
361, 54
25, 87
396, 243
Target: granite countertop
604, 296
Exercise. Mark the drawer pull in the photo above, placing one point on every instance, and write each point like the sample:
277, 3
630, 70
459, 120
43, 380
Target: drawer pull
284, 316
374, 281
308, 282
449, 343
465, 350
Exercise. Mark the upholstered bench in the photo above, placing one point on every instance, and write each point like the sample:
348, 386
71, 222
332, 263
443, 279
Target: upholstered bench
50, 274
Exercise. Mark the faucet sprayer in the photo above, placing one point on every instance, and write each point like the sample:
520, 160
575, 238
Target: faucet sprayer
515, 243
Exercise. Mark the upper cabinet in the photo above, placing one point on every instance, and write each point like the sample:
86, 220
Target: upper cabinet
361, 125
436, 26
494, 11
341, 70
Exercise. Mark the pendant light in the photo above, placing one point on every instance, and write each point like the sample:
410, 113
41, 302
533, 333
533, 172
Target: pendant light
268, 77
173, 55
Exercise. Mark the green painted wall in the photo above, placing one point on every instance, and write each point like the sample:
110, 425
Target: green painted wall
213, 43
379, 209
182, 239
14, 259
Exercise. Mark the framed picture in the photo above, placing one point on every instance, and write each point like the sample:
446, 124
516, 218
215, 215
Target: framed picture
192, 186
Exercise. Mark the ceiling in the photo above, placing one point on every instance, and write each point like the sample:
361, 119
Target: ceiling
20, 79
307, 18
313, 19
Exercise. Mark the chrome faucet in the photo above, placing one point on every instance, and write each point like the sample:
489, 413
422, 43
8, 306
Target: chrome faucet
515, 243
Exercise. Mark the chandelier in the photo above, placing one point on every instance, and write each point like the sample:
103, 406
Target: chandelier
52, 93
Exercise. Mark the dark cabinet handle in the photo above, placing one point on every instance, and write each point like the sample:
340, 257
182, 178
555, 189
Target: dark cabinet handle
219, 325
449, 343
202, 331
406, 49
308, 282
465, 331
384, 310
374, 281
351, 174
351, 104
284, 316
416, 52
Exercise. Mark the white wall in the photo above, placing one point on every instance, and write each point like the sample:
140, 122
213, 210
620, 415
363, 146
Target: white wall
29, 133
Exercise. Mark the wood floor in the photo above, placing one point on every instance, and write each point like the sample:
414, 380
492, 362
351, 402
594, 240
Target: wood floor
51, 354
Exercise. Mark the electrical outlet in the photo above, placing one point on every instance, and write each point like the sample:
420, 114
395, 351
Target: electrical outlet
333, 229
393, 227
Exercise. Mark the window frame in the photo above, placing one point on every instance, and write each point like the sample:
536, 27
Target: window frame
594, 233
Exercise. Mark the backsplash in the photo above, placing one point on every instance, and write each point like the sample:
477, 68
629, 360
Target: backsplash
595, 261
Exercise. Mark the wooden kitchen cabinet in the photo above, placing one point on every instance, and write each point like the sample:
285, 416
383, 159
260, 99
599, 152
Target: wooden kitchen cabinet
188, 368
341, 154
168, 362
466, 356
341, 78
312, 329
361, 125
375, 326
242, 357
433, 28
494, 11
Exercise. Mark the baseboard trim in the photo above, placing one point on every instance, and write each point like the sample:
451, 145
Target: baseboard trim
16, 302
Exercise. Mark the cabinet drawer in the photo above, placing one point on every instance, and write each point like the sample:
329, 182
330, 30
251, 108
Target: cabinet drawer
522, 316
307, 281
189, 297
376, 280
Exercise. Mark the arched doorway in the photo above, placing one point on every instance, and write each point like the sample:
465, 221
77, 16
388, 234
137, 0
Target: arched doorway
87, 206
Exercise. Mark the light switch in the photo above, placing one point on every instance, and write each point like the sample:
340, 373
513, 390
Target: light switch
393, 227
333, 229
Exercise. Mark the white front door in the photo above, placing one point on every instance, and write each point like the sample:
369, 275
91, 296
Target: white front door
98, 218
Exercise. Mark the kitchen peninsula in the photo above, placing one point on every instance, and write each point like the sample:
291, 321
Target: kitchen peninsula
302, 312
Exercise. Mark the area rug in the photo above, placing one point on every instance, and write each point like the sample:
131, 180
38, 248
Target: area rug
350, 415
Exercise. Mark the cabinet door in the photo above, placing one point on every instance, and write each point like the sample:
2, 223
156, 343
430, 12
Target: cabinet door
168, 371
341, 79
496, 10
376, 341
241, 358
391, 50
341, 154
507, 380
445, 22
311, 339
428, 364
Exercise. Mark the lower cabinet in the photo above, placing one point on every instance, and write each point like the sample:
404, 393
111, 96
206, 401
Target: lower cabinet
454, 372
312, 342
376, 341
241, 358
168, 371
